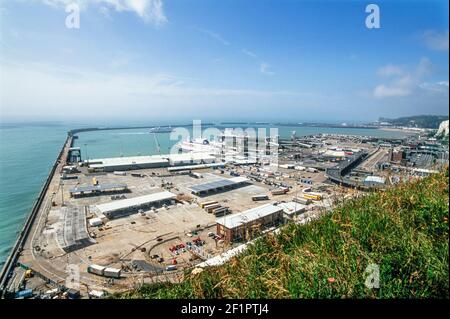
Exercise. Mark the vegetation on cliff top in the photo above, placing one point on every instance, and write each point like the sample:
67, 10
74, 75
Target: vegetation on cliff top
403, 230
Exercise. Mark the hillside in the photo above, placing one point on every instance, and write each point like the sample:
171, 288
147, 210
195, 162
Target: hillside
422, 121
404, 230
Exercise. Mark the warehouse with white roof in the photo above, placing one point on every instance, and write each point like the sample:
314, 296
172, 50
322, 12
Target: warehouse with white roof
373, 181
152, 161
249, 223
123, 207
218, 185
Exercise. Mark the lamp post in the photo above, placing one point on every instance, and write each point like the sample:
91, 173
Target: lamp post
62, 192
87, 157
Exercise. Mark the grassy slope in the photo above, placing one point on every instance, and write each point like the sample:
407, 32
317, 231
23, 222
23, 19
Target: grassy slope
404, 231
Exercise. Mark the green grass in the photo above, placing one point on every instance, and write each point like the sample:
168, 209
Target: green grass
403, 230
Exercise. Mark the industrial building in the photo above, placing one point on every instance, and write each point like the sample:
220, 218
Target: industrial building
127, 163
292, 209
154, 161
71, 233
74, 155
196, 166
219, 185
89, 190
396, 155
123, 207
374, 181
334, 154
249, 223
190, 159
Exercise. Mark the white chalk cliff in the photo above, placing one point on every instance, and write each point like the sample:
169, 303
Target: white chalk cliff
443, 129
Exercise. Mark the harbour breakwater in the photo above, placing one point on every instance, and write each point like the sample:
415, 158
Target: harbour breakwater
11, 261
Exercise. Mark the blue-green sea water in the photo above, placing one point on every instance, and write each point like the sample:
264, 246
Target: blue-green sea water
28, 151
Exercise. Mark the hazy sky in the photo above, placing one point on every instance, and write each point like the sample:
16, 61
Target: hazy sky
281, 59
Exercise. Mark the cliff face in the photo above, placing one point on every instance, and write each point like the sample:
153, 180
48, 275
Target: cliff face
443, 129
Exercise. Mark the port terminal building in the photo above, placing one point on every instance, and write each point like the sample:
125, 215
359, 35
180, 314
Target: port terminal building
218, 186
145, 162
248, 224
91, 190
119, 208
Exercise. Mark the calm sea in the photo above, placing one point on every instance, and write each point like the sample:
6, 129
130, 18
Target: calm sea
27, 152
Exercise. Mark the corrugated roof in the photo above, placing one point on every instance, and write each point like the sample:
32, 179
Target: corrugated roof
232, 221
211, 185
100, 188
375, 179
189, 156
130, 160
195, 166
292, 207
217, 184
153, 159
135, 201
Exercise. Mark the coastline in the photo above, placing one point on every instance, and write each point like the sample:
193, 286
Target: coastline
29, 224
395, 129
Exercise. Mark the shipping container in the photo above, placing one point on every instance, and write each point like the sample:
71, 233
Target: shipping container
65, 176
279, 191
96, 269
220, 211
223, 213
27, 293
209, 208
301, 200
94, 222
202, 205
112, 272
313, 196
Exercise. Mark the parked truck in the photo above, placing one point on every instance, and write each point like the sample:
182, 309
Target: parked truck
260, 197
112, 272
202, 205
96, 269
279, 191
209, 208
